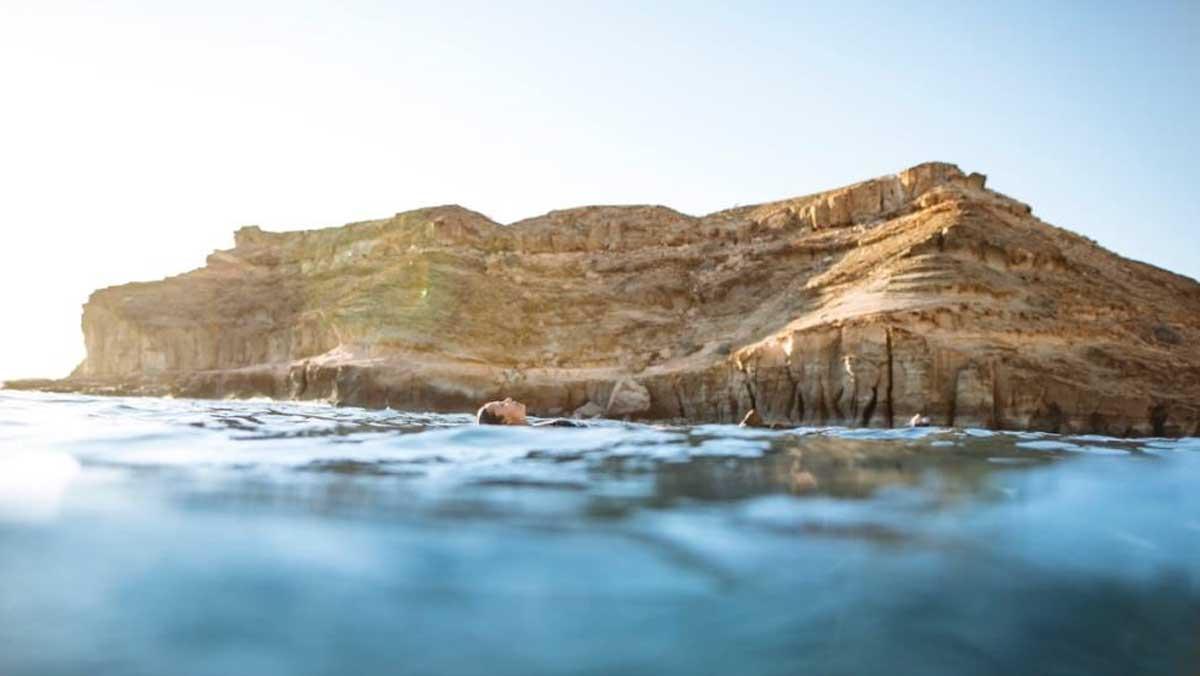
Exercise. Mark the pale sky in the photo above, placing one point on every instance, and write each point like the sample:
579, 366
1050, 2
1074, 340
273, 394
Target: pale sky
136, 136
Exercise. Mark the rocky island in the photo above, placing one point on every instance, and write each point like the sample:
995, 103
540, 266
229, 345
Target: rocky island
922, 293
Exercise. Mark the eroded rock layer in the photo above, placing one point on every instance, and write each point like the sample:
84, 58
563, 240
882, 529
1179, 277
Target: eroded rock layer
918, 293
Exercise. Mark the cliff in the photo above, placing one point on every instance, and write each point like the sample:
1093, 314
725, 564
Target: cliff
922, 292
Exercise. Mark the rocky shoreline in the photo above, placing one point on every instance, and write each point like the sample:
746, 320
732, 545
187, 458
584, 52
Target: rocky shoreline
918, 293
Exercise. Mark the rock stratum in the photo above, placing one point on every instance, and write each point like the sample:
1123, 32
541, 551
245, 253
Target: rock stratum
918, 293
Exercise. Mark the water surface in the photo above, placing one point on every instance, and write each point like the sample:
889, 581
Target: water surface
157, 536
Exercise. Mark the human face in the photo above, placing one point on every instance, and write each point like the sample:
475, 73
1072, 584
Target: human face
512, 411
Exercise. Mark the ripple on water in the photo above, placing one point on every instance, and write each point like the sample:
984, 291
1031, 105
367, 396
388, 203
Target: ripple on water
167, 532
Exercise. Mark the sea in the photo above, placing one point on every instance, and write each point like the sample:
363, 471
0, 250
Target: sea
176, 537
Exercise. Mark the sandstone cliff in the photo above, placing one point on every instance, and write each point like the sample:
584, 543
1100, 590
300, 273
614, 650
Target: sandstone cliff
922, 292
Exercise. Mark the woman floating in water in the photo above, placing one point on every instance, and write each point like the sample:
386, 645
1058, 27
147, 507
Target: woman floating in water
512, 412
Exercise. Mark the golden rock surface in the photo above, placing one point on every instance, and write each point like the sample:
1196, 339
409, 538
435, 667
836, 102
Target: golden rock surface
918, 293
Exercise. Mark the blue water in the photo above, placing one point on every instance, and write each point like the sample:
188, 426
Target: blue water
179, 537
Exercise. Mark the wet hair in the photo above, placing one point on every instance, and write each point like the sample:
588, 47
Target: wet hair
485, 416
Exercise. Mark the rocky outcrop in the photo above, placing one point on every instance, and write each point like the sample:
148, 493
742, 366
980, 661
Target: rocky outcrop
918, 293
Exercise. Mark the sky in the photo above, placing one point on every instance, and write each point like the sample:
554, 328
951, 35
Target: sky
135, 137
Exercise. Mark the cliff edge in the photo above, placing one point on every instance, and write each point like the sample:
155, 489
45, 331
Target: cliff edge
918, 293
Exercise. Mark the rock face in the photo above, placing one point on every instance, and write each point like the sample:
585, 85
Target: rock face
918, 293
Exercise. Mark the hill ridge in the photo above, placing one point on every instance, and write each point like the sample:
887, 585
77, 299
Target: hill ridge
921, 292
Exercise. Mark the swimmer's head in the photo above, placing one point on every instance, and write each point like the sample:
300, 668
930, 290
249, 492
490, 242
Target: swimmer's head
506, 412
